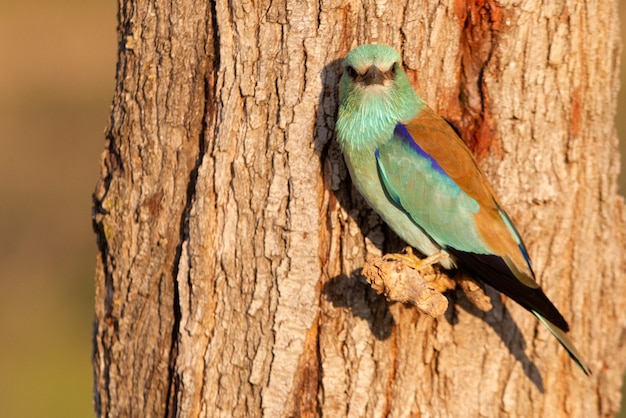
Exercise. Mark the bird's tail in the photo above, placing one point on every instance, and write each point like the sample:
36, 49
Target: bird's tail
566, 343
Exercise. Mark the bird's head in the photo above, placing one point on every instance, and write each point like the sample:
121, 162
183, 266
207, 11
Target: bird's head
370, 70
374, 92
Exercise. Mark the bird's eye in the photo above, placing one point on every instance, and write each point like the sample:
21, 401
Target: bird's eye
351, 71
394, 68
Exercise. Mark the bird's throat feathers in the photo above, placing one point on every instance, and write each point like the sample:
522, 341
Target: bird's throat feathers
368, 115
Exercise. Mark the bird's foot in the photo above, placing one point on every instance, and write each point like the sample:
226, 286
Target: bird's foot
438, 282
413, 261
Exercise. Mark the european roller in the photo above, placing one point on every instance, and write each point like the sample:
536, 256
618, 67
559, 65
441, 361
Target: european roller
414, 170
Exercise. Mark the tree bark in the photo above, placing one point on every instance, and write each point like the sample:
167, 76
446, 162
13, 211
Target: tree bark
231, 241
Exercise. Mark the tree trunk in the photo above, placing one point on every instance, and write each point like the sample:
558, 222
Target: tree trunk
231, 241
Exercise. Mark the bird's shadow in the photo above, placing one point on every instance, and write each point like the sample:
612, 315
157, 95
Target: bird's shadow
352, 292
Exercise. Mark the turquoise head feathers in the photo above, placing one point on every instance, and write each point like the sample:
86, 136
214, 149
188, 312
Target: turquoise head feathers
374, 88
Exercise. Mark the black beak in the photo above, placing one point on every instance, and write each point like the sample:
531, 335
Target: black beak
373, 76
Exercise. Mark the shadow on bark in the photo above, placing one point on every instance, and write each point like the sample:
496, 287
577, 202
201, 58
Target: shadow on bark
363, 302
505, 328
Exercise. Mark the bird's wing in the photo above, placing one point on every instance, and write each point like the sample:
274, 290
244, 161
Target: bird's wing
428, 172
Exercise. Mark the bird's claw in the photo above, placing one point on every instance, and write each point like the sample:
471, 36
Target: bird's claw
438, 282
413, 261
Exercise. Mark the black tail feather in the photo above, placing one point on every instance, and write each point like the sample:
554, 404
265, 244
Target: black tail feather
493, 270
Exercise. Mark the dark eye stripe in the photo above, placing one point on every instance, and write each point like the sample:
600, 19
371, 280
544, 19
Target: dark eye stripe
351, 71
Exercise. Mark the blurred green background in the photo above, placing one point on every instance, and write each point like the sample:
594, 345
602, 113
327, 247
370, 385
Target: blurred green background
56, 82
57, 74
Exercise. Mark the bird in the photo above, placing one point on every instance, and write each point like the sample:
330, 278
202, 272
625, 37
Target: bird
416, 172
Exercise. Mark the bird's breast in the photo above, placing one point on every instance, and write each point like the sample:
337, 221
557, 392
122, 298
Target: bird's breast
364, 173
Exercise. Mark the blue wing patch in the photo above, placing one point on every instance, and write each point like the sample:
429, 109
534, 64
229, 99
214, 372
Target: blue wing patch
414, 182
402, 133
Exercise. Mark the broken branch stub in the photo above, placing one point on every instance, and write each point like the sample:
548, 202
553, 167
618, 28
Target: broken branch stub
400, 283
404, 278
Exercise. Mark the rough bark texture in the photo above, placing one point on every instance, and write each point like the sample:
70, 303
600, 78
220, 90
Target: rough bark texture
231, 241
